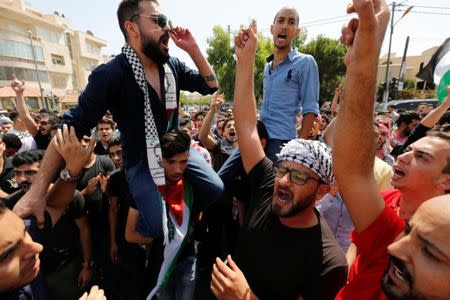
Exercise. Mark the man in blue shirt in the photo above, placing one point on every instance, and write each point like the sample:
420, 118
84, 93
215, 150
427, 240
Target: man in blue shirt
135, 87
291, 85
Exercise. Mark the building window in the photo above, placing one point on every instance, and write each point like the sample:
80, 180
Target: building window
58, 59
33, 103
92, 48
21, 50
58, 81
23, 74
48, 35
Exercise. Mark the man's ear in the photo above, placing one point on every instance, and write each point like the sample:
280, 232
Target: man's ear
322, 190
132, 29
444, 182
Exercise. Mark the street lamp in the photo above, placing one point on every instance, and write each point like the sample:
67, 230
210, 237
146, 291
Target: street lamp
387, 79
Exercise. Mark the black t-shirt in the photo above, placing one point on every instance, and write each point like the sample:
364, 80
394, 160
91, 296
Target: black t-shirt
61, 240
281, 262
7, 181
99, 149
97, 204
218, 158
41, 140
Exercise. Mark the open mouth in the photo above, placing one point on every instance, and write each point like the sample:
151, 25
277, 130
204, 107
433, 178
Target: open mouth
284, 196
398, 173
232, 134
282, 36
165, 41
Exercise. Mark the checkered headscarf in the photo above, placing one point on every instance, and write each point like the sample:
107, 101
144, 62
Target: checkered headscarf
314, 155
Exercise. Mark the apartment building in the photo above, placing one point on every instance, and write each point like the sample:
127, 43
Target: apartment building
63, 55
413, 63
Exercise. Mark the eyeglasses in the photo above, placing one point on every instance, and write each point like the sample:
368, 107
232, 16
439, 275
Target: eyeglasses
296, 176
160, 19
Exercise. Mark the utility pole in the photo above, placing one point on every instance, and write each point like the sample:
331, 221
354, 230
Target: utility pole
35, 65
387, 79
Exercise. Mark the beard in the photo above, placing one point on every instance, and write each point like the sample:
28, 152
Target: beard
25, 186
152, 49
388, 287
294, 208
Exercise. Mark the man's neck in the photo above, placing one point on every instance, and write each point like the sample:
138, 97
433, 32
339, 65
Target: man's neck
304, 219
411, 199
90, 162
279, 55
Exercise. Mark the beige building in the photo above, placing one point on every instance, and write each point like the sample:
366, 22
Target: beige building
412, 65
64, 56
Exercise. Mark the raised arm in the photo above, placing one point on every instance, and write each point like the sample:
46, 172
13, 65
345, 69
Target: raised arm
353, 168
22, 108
244, 105
184, 39
433, 116
67, 146
205, 130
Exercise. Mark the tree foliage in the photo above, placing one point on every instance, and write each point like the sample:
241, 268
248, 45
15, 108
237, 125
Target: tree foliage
329, 55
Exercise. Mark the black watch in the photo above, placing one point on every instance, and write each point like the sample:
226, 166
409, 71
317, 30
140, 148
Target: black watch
66, 177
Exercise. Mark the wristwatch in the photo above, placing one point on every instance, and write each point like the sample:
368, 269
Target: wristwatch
66, 177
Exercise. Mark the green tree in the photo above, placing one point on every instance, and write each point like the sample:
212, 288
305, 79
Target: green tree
329, 55
220, 56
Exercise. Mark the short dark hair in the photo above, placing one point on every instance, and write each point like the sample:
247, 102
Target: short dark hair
28, 157
226, 121
284, 8
174, 142
407, 117
445, 119
108, 121
114, 141
126, 10
185, 122
13, 115
262, 130
11, 141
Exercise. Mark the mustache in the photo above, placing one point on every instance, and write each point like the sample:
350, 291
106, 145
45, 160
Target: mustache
401, 266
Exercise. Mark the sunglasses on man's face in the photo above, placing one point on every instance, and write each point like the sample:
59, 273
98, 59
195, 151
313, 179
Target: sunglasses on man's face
159, 19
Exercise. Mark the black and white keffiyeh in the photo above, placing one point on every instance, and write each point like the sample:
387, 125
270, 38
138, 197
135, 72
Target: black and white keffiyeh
154, 155
314, 155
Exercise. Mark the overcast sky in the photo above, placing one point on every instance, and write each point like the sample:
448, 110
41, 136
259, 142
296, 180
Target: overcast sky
427, 24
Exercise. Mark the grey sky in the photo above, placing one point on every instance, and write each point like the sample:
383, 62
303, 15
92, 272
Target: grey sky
425, 30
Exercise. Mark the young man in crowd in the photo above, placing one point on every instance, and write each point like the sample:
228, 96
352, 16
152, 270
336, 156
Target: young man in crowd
128, 258
291, 84
105, 130
67, 237
141, 88
173, 268
414, 263
41, 131
285, 249
220, 150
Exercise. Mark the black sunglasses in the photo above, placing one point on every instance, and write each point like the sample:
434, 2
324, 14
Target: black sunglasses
159, 19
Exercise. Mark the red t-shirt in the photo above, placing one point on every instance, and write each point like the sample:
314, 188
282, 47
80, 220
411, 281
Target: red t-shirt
373, 259
391, 198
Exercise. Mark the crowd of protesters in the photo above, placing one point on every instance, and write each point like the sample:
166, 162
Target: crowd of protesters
126, 196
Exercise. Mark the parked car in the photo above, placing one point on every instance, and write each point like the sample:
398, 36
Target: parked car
405, 104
